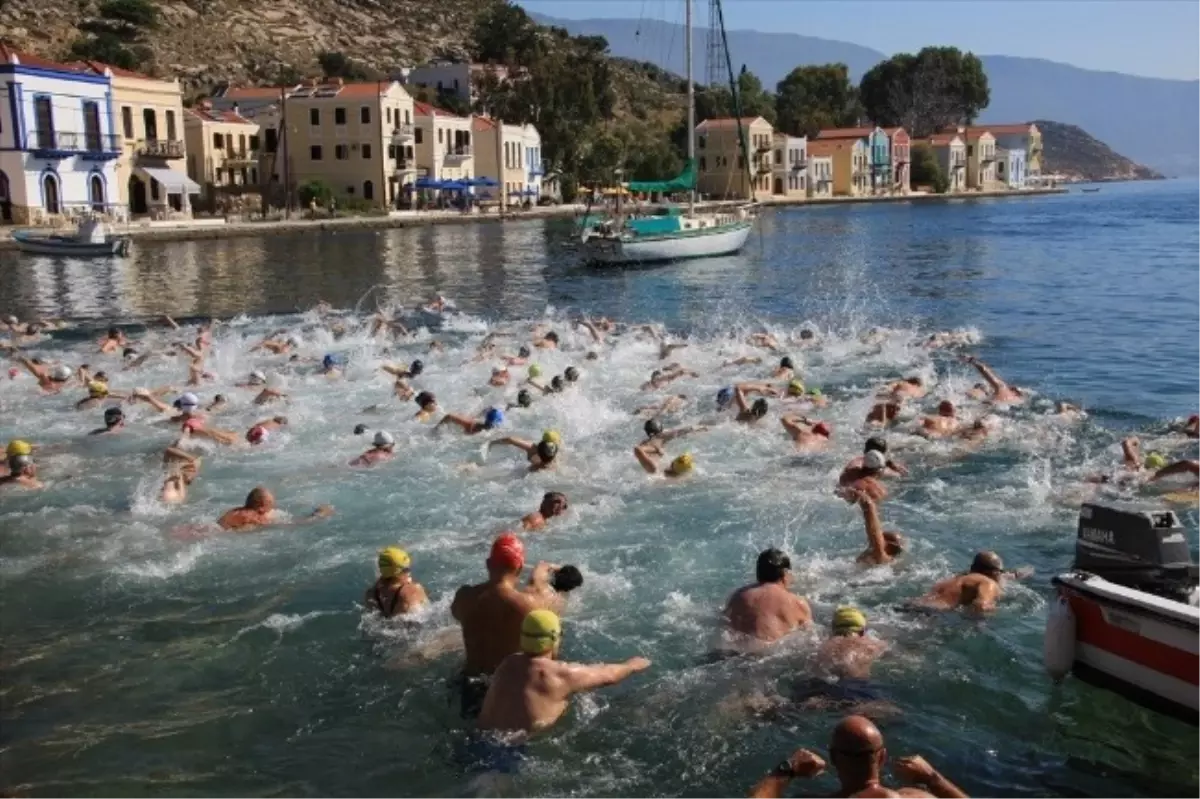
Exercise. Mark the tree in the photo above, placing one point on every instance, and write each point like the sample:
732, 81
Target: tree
140, 14
814, 97
105, 48
315, 191
936, 88
753, 98
337, 65
504, 34
925, 168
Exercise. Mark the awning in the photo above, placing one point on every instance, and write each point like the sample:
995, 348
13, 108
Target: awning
174, 182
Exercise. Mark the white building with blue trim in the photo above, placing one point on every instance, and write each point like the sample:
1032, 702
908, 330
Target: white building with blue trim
58, 143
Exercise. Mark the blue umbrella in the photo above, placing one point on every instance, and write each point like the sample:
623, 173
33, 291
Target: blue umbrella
454, 185
482, 181
428, 183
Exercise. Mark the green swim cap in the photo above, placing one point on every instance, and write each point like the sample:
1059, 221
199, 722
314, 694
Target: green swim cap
535, 370
1155, 461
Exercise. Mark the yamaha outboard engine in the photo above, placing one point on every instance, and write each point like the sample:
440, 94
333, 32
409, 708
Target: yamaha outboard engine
1142, 549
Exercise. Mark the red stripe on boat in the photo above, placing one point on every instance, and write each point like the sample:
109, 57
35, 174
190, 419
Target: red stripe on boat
1091, 628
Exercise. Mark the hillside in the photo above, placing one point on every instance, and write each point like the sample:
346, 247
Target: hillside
1151, 120
1069, 150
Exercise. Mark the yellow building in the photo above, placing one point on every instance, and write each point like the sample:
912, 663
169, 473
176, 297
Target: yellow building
851, 175
499, 154
719, 161
223, 149
151, 171
951, 154
443, 140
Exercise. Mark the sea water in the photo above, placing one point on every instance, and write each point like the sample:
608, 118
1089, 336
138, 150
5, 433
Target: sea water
141, 657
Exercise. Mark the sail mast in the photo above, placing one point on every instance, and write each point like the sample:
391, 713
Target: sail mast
691, 104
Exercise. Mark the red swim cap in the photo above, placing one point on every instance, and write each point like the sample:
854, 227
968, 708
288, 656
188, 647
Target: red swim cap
822, 429
256, 434
507, 551
13, 372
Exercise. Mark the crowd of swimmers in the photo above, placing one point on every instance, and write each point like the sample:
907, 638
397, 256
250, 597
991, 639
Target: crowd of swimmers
513, 683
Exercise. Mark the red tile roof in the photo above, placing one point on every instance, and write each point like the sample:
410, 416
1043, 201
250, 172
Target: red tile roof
213, 115
426, 110
480, 124
727, 122
8, 54
819, 148
99, 66
250, 92
844, 133
942, 139
974, 131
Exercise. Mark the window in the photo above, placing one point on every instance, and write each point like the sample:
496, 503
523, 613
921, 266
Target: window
339, 116
314, 152
366, 151
341, 152
701, 142
439, 135
254, 141
703, 164
218, 141
127, 121
50, 194
44, 114
779, 156
272, 141
417, 135
91, 127
364, 116
254, 175
407, 119
96, 190
350, 190
314, 116
242, 143
970, 149
741, 162
368, 190
171, 126
150, 120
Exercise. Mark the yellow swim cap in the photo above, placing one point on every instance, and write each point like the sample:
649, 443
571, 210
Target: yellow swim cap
97, 388
796, 388
683, 464
392, 561
540, 632
552, 437
535, 370
849, 620
816, 392
17, 448
1155, 461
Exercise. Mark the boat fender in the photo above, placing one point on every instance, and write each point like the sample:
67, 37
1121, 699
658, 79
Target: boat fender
1059, 645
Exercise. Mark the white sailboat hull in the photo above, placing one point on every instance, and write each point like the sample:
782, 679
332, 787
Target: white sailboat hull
611, 251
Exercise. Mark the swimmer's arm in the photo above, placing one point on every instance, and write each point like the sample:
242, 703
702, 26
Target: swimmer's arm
739, 397
539, 581
587, 677
991, 377
1179, 467
793, 424
874, 528
395, 371
34, 369
680, 432
460, 599
519, 443
178, 454
744, 360
597, 336
170, 322
150, 399
195, 354
898, 468
802, 763
985, 598
642, 453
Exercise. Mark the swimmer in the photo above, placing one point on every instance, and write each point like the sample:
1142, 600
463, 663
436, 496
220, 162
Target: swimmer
661, 377
858, 757
1184, 467
218, 404
786, 369
554, 503
403, 372
865, 479
767, 610
555, 584
1191, 428
520, 359
655, 433
500, 377
255, 379
114, 421
945, 423
977, 590
854, 469
745, 360
1068, 412
438, 304
114, 341
524, 399
671, 404
882, 547
196, 427
796, 394
649, 454
849, 653
98, 392
571, 375
595, 329
22, 472
908, 388
261, 431
268, 395
547, 342
749, 413
542, 455
427, 403
531, 689
259, 510
174, 489
1001, 392
277, 346
383, 449
492, 419
807, 338
1132, 465
51, 379
808, 435
665, 349
331, 365
764, 340
883, 414
395, 593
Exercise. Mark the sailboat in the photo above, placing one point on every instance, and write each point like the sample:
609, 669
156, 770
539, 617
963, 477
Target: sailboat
622, 238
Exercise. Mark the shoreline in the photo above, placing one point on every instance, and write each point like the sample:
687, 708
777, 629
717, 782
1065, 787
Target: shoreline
209, 229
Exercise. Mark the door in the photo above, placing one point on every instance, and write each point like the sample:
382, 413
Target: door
368, 190
50, 195
779, 185
96, 192
5, 199
137, 195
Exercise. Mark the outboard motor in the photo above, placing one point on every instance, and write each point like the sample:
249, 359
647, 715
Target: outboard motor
1142, 549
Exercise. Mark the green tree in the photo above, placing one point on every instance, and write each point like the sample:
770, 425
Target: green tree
925, 170
754, 99
140, 14
315, 190
107, 48
936, 88
337, 65
814, 97
504, 34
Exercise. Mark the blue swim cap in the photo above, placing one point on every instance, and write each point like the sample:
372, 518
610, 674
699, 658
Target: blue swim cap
724, 397
493, 418
329, 361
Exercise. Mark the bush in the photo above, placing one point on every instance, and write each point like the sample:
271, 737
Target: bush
137, 13
315, 190
109, 49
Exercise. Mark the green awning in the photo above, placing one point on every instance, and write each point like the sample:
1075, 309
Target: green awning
685, 182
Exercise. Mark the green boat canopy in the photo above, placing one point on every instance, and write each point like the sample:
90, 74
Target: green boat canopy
685, 182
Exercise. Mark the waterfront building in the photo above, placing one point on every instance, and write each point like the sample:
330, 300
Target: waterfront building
861, 165
820, 168
951, 154
901, 160
722, 171
223, 149
1010, 168
535, 167
58, 142
789, 166
500, 155
981, 159
443, 143
458, 79
1020, 136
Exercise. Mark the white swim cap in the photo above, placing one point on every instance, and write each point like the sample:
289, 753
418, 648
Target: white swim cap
60, 372
384, 439
258, 374
188, 400
874, 460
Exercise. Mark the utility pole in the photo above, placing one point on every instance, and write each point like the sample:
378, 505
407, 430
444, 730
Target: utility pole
282, 146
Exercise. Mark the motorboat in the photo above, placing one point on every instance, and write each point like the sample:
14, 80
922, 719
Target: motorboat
92, 239
1127, 616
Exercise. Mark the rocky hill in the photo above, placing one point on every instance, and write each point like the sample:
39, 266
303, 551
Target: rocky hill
206, 42
1069, 150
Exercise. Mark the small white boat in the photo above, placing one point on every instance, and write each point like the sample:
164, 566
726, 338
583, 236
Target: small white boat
93, 239
1126, 619
668, 238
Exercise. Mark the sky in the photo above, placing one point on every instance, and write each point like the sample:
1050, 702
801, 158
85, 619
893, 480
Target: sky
1154, 38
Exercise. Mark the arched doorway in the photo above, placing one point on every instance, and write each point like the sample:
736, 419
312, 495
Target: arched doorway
368, 190
5, 199
137, 195
779, 185
96, 193
50, 198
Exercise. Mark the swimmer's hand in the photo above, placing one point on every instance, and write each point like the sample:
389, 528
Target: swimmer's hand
637, 664
914, 769
1023, 573
806, 763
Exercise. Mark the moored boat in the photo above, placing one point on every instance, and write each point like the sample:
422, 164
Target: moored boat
93, 239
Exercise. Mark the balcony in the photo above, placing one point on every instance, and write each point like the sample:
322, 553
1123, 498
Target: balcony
61, 144
240, 158
457, 155
402, 134
161, 148
801, 164
536, 170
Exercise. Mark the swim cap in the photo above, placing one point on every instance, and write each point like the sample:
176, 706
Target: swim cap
552, 436
566, 579
724, 397
18, 463
822, 429
759, 408
795, 389
426, 398
985, 562
493, 418
572, 374
786, 363
60, 373
874, 460
849, 620
523, 352
292, 341
1155, 461
97, 389
416, 367
557, 383
875, 443
328, 361
393, 561
257, 434
113, 414
17, 448
547, 451
507, 552
524, 398
384, 439
814, 391
534, 371
258, 375
653, 427
683, 464
188, 400
359, 429
13, 372
540, 632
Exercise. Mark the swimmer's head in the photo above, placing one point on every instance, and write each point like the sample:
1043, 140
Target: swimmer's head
114, 332
507, 555
572, 374
328, 362
128, 353
557, 383
524, 398
552, 436
786, 363
552, 336
592, 356
493, 418
822, 429
874, 460
946, 408
1155, 461
893, 543
535, 371
523, 352
547, 451
260, 499
97, 389
724, 398
773, 566
987, 563
541, 633
257, 435
393, 561
554, 503
113, 416
359, 429
681, 465
257, 377
187, 402
795, 389
566, 579
913, 381
18, 448
416, 367
759, 409
60, 373
383, 440
655, 376
806, 334
653, 428
849, 621
426, 401
21, 465
875, 444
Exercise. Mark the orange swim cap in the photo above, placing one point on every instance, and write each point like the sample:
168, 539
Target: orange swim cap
507, 551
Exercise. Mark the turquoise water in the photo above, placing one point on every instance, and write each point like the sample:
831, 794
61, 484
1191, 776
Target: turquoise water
138, 663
